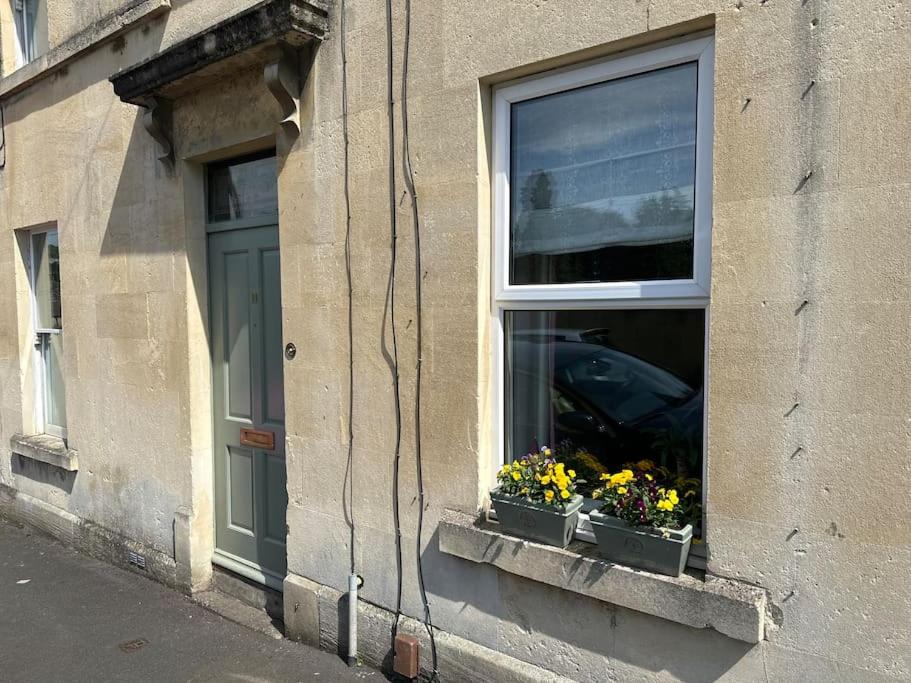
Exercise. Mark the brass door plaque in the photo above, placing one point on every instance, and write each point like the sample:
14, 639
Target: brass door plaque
257, 439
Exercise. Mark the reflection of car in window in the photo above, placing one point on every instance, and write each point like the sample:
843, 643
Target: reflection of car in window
612, 404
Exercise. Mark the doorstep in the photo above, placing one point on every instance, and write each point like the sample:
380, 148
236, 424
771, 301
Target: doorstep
733, 608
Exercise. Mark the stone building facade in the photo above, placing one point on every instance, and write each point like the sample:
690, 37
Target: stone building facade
123, 215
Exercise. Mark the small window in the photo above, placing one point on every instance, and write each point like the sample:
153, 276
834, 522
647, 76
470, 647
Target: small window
602, 218
48, 323
26, 17
242, 189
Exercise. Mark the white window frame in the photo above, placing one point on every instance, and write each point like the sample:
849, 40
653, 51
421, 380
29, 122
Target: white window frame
690, 293
39, 360
25, 37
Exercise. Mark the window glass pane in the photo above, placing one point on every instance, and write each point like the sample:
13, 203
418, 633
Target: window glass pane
244, 188
46, 253
31, 20
604, 388
602, 181
54, 404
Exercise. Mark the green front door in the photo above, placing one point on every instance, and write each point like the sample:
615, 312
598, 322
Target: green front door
250, 492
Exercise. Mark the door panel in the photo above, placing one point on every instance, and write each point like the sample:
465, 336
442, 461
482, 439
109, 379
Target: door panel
237, 335
250, 483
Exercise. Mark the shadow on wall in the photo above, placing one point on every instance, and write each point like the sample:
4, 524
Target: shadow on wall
543, 620
42, 473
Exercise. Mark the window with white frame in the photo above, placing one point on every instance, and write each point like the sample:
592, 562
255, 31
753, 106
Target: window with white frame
48, 325
25, 17
602, 218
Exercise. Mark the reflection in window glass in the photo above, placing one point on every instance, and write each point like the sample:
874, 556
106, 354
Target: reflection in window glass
54, 385
49, 329
602, 181
604, 388
245, 188
46, 251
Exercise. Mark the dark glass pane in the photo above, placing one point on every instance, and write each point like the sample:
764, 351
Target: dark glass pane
603, 181
244, 188
46, 252
605, 388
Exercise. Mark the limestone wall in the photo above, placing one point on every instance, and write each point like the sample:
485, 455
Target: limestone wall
806, 502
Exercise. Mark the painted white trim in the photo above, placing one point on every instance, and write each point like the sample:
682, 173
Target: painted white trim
693, 293
701, 51
39, 362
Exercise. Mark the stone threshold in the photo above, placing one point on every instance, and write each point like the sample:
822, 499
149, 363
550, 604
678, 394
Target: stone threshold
104, 30
733, 608
45, 448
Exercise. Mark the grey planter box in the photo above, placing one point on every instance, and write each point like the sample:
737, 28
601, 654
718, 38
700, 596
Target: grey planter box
536, 521
642, 547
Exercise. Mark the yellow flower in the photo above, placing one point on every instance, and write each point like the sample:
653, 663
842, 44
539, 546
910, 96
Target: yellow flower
622, 477
672, 496
524, 491
605, 476
558, 468
546, 451
665, 505
545, 480
562, 483
516, 476
516, 465
548, 495
572, 474
649, 477
564, 494
621, 490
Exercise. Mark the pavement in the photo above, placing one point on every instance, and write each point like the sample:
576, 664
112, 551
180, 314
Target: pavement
67, 617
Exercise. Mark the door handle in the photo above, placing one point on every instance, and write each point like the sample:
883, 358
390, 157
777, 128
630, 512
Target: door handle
257, 438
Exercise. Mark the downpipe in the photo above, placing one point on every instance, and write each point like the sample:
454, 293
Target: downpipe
354, 582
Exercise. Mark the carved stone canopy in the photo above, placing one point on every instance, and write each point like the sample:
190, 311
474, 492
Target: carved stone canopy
278, 35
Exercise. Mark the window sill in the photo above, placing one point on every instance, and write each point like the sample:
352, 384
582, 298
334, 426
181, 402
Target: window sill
45, 448
732, 608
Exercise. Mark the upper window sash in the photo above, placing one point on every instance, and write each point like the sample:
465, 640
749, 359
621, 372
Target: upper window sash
700, 51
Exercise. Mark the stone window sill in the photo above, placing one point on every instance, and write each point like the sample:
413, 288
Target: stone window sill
45, 448
732, 608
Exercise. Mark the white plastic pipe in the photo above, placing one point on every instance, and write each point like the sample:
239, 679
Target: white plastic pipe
352, 619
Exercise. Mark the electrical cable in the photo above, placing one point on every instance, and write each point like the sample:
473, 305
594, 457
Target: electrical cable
349, 470
390, 302
2, 138
415, 216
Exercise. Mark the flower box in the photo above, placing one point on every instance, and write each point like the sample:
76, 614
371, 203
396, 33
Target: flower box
536, 521
659, 550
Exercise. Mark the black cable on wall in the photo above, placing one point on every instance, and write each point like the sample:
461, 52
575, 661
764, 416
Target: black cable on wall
390, 302
349, 473
419, 332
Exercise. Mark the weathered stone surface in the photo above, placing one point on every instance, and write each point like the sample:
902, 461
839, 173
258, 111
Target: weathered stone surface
799, 87
45, 448
301, 609
105, 29
295, 22
735, 609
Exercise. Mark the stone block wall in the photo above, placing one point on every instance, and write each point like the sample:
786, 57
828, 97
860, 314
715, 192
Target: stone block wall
810, 320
